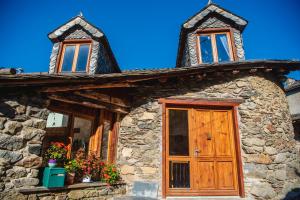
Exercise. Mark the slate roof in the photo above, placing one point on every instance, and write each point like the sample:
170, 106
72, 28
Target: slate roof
76, 21
214, 8
277, 67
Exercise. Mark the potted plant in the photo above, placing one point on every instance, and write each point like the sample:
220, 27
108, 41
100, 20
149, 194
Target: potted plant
71, 167
91, 168
110, 174
56, 154
52, 163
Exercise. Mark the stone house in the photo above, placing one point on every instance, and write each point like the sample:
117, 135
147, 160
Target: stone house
215, 125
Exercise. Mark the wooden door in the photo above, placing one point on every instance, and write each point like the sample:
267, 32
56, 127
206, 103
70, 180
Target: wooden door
200, 152
214, 160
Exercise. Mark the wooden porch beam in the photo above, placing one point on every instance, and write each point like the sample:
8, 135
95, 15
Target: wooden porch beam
73, 99
104, 98
87, 86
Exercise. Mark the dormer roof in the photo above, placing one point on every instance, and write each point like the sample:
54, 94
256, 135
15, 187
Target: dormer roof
239, 22
80, 21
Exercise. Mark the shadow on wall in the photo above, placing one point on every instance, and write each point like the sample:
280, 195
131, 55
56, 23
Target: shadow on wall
294, 194
7, 110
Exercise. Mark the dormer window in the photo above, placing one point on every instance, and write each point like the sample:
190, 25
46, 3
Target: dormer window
74, 57
215, 47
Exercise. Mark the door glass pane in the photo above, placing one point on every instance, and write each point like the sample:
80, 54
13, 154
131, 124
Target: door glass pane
206, 49
68, 58
82, 58
223, 49
179, 173
82, 130
178, 133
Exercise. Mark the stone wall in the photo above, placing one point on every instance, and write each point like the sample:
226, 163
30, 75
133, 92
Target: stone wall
23, 120
22, 123
99, 191
269, 153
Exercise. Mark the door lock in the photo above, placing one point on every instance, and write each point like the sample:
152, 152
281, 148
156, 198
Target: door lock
209, 136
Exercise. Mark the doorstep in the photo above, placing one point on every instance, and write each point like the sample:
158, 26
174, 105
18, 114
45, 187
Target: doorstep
207, 198
40, 189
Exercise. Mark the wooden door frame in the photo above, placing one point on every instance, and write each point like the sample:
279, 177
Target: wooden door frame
231, 104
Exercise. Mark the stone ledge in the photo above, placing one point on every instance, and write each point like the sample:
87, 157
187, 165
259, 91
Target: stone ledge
67, 187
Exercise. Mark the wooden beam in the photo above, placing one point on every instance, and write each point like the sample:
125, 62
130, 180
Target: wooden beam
73, 99
163, 80
104, 98
235, 71
87, 86
219, 73
268, 70
202, 102
253, 70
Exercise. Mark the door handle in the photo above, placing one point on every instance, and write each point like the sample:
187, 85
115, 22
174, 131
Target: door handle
197, 151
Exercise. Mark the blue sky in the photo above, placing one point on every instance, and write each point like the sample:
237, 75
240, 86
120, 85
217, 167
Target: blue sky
142, 34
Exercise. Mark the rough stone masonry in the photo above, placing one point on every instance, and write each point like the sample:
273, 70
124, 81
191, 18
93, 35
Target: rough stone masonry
269, 153
22, 129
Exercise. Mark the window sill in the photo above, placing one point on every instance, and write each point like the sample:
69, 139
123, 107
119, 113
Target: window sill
41, 189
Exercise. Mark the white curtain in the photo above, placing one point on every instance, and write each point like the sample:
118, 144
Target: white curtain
223, 39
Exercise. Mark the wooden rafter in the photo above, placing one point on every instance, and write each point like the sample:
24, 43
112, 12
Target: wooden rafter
86, 87
92, 103
122, 102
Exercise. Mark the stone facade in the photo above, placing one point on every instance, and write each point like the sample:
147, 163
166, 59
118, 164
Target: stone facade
269, 152
97, 192
22, 129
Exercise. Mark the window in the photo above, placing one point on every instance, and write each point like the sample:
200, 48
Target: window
83, 132
82, 129
215, 47
75, 57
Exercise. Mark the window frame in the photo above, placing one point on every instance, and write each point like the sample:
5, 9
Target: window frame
77, 44
212, 33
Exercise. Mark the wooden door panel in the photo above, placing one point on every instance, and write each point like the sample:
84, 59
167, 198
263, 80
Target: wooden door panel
201, 131
221, 133
225, 175
212, 161
205, 176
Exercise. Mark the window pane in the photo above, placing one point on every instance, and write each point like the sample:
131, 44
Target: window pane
57, 120
179, 173
178, 133
223, 49
82, 58
82, 130
68, 58
206, 49
105, 136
